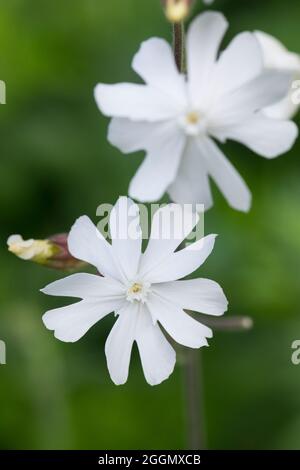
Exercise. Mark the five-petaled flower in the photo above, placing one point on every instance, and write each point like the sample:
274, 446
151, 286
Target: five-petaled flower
141, 288
176, 118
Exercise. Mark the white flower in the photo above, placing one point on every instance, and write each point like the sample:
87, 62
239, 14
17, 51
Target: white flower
176, 119
141, 288
277, 57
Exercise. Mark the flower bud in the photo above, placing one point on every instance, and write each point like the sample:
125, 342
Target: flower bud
177, 10
34, 250
52, 252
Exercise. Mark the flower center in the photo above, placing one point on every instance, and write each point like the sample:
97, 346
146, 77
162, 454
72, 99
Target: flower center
192, 122
138, 291
192, 118
136, 288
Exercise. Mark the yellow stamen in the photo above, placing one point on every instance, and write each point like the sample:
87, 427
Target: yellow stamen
192, 117
136, 288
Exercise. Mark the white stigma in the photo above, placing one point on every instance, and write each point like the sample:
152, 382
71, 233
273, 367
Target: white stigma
138, 291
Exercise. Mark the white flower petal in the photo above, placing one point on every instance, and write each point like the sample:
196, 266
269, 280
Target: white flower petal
183, 262
157, 355
203, 40
12, 239
265, 136
85, 286
119, 343
72, 322
155, 63
86, 243
276, 56
136, 102
284, 109
240, 62
199, 295
264, 90
164, 144
225, 175
160, 166
131, 136
191, 185
178, 324
126, 236
171, 225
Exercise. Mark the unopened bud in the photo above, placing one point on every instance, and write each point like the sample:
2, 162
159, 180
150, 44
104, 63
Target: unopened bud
34, 250
177, 10
52, 252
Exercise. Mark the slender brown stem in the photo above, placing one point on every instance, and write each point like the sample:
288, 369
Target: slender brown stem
191, 370
178, 45
192, 373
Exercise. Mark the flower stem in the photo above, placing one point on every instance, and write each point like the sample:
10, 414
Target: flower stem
192, 370
193, 396
232, 324
192, 379
178, 45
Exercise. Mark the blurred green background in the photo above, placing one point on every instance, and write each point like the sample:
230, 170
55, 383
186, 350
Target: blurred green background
56, 164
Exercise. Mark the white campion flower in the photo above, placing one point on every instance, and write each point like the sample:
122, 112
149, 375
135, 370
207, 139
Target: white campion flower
175, 119
276, 56
141, 288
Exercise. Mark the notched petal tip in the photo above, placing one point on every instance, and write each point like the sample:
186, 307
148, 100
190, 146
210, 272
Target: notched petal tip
61, 336
202, 343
